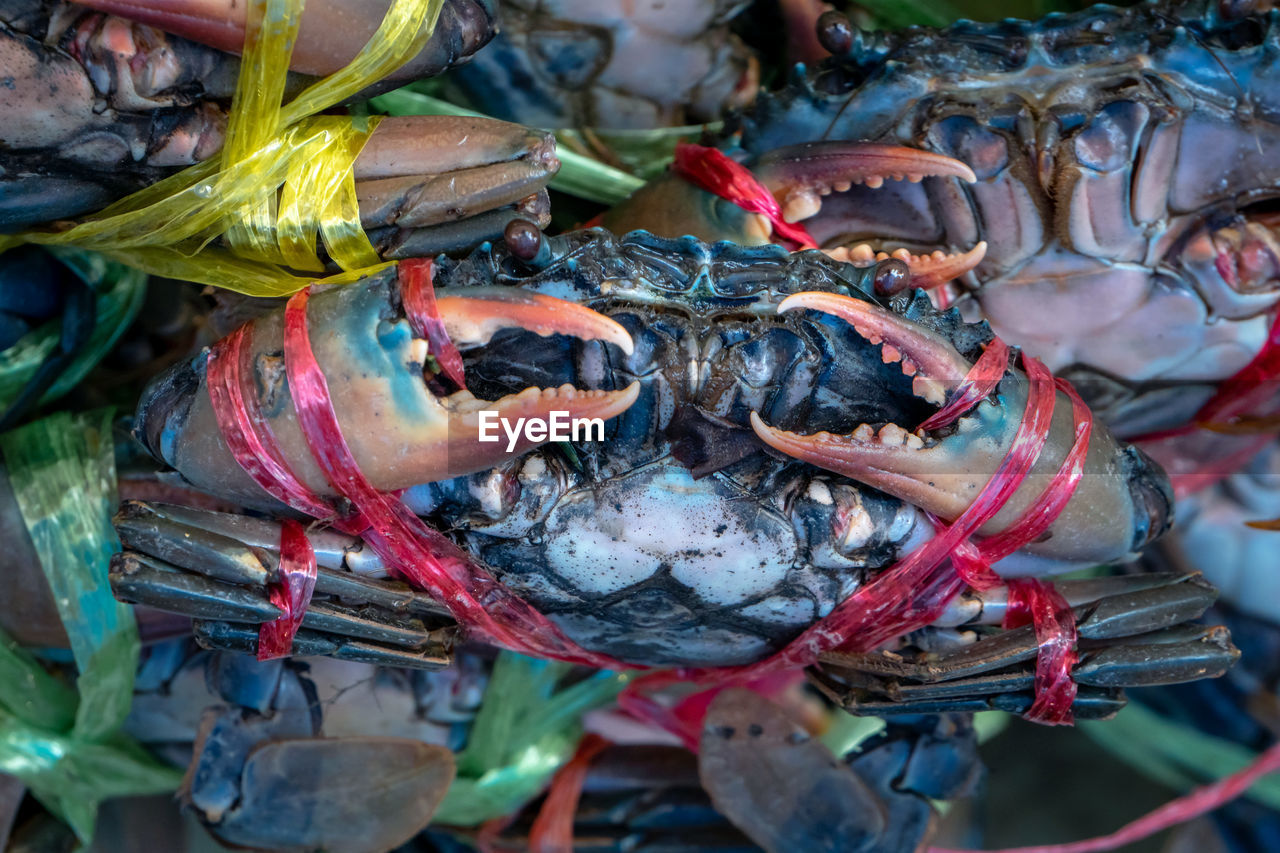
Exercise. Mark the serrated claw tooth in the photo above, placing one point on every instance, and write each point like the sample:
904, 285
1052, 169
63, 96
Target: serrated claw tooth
928, 272
801, 206
892, 435
933, 356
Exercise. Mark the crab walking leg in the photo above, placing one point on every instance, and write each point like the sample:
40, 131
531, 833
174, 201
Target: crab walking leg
402, 430
1121, 502
1134, 631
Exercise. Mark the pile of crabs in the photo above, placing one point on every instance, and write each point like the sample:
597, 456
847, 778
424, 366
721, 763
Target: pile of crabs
935, 377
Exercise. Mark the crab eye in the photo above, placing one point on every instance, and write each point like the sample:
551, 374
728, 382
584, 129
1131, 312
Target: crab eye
891, 276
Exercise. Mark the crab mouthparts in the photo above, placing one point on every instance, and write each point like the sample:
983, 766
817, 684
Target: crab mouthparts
800, 175
891, 458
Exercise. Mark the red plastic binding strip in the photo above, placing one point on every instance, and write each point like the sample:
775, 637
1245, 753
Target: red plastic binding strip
1187, 807
419, 299
1055, 628
425, 557
291, 594
1251, 386
915, 591
1046, 508
1034, 601
978, 383
245, 430
710, 170
552, 830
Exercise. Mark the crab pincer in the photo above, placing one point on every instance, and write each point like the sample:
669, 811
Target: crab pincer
405, 422
331, 33
1121, 500
795, 181
146, 89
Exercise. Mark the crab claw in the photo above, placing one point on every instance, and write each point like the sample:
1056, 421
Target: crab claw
1122, 501
134, 102
926, 271
261, 781
402, 426
332, 32
799, 177
429, 184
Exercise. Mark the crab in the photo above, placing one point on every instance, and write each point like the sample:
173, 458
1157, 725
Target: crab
1119, 221
99, 106
730, 384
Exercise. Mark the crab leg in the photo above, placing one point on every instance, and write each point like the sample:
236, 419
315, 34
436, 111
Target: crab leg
1106, 518
176, 560
402, 430
1133, 638
419, 175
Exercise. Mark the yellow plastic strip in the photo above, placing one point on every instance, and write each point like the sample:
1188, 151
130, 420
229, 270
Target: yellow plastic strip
271, 152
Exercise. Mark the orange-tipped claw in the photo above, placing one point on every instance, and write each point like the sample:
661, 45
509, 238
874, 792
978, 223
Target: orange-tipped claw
1119, 503
472, 316
474, 433
402, 428
798, 175
480, 433
927, 271
937, 366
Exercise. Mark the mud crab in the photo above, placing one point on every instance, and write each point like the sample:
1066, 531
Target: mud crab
136, 97
1122, 224
682, 350
611, 65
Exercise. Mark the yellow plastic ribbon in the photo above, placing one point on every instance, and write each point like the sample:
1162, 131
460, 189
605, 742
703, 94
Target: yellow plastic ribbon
283, 177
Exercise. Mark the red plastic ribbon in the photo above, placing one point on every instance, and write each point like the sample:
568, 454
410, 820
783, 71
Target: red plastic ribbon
552, 830
423, 556
419, 299
426, 558
1250, 387
1248, 393
292, 593
710, 170
245, 428
978, 383
1035, 601
1180, 810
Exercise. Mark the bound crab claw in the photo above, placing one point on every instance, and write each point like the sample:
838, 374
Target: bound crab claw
1122, 500
802, 179
330, 35
395, 390
135, 103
